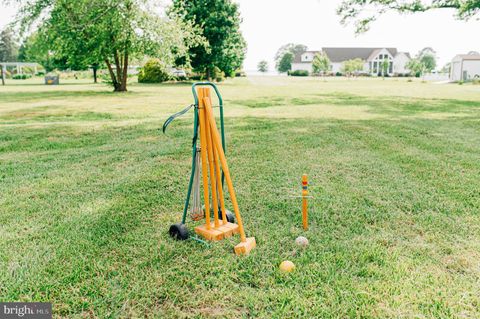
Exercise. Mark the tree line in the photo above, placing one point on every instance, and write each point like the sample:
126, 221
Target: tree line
202, 35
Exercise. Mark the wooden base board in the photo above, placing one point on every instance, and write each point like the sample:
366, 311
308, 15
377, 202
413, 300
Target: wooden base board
214, 234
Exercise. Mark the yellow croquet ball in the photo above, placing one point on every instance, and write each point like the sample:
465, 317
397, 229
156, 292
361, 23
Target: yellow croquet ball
287, 266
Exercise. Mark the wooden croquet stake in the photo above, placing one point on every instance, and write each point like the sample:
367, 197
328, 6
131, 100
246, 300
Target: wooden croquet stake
304, 201
223, 161
203, 152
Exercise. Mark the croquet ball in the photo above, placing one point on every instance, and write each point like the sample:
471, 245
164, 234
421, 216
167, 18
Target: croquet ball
287, 266
301, 241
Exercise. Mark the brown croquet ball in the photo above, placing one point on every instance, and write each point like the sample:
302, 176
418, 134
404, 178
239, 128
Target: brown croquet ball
301, 241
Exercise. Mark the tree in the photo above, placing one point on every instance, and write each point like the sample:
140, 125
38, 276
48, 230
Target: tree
427, 50
320, 63
428, 61
37, 48
352, 67
384, 65
262, 66
427, 58
416, 67
89, 31
8, 46
290, 48
219, 22
446, 68
361, 11
285, 63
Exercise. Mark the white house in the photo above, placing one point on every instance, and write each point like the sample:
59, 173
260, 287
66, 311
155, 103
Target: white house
465, 67
372, 57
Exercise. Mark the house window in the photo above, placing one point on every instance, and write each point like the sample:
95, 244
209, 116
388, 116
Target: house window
390, 67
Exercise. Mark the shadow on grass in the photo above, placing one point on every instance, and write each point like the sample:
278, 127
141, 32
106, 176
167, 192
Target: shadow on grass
392, 105
32, 96
32, 115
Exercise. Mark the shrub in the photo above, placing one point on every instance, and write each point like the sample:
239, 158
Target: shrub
21, 76
218, 74
154, 71
339, 74
298, 73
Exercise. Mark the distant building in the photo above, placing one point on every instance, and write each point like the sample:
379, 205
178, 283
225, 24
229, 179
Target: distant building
465, 67
372, 57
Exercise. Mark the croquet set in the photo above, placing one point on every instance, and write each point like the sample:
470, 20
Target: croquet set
209, 168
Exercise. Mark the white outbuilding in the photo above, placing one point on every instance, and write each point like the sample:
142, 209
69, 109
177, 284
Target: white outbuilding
465, 67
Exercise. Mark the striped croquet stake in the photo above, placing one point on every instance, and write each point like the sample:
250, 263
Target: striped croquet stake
304, 201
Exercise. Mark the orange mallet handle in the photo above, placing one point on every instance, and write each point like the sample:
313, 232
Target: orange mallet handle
304, 201
203, 152
223, 162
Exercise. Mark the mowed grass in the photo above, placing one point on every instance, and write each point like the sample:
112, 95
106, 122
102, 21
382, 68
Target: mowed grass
89, 187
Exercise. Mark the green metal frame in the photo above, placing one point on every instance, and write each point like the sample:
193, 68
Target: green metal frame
195, 135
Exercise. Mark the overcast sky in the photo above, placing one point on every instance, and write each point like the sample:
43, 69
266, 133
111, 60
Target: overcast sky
267, 24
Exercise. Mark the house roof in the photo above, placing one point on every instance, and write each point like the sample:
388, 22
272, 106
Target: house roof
468, 56
298, 57
343, 54
406, 53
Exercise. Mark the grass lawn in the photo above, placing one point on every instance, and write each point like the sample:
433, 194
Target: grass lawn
89, 187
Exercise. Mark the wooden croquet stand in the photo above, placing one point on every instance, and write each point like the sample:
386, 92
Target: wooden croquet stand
214, 162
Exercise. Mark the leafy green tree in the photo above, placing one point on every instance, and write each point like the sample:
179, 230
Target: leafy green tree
384, 65
289, 50
285, 63
8, 46
320, 63
446, 68
352, 67
416, 67
262, 66
89, 31
365, 12
429, 62
38, 48
219, 22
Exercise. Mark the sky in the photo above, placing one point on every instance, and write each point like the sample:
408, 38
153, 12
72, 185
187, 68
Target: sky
268, 24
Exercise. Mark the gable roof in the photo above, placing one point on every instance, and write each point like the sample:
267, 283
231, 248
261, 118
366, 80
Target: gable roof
406, 54
468, 56
298, 57
343, 54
